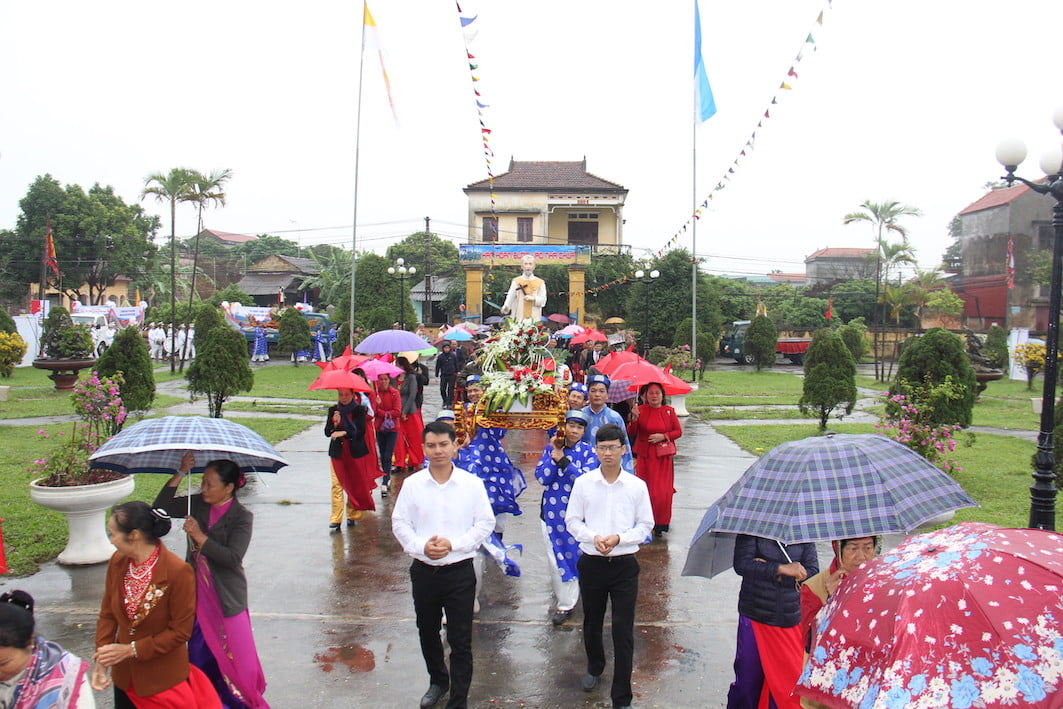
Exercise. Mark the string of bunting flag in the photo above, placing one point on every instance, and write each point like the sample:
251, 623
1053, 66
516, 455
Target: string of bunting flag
786, 84
469, 32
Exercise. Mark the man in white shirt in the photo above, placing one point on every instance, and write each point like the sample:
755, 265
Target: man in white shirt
609, 514
442, 515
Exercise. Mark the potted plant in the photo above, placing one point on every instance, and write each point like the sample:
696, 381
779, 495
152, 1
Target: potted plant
67, 483
66, 348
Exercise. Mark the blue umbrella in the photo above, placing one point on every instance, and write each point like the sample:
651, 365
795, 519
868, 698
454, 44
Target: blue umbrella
838, 486
393, 340
157, 446
457, 335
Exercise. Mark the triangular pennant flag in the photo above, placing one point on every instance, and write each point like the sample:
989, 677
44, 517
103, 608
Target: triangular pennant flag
819, 20
785, 85
792, 73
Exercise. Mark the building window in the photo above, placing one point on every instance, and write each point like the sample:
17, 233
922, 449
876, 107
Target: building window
582, 215
490, 229
524, 229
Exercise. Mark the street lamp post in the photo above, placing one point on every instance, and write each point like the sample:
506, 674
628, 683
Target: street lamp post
1010, 154
400, 272
646, 278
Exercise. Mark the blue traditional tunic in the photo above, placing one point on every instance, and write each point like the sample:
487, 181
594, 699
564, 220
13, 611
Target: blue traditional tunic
485, 457
320, 344
597, 420
557, 485
261, 347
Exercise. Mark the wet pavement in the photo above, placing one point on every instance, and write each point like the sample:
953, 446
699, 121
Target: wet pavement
334, 620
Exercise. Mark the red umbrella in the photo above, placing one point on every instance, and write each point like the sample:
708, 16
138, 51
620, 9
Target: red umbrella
608, 363
588, 336
966, 616
557, 317
643, 372
339, 379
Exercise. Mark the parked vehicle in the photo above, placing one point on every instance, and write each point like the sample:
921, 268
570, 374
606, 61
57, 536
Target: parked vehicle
240, 318
732, 344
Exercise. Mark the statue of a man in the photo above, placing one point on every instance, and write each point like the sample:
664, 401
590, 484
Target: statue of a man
527, 294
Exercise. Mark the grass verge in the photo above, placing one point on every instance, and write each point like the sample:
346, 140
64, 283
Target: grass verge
33, 534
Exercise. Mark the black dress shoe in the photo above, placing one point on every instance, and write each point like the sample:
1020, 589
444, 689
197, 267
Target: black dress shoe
351, 523
589, 682
432, 696
560, 617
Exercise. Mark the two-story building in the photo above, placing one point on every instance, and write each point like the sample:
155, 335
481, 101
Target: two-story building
997, 287
830, 265
555, 211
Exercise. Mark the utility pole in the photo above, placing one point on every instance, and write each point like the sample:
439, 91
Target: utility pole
426, 317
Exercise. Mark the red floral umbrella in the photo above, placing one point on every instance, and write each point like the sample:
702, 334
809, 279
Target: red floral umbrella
588, 336
967, 616
339, 379
643, 372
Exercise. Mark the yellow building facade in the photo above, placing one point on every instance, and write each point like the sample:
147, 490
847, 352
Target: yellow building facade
537, 205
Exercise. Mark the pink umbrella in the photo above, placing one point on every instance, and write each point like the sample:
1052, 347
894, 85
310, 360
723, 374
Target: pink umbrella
557, 317
373, 368
570, 330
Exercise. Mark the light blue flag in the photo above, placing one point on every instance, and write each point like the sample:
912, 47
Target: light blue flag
705, 105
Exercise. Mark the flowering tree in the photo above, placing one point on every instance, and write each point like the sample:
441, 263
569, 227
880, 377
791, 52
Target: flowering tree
98, 401
909, 420
1032, 358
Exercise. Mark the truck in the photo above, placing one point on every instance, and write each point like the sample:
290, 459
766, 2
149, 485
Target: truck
732, 344
104, 321
244, 319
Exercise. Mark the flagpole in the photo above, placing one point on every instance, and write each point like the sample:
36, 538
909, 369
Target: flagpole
694, 206
357, 147
44, 264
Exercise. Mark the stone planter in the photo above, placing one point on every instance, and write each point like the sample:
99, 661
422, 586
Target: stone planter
679, 402
3, 392
64, 372
85, 507
1037, 402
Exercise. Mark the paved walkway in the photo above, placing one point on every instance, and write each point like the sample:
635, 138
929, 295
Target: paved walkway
334, 621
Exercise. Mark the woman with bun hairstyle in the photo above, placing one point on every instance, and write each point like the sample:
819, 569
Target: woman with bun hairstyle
219, 532
146, 617
36, 673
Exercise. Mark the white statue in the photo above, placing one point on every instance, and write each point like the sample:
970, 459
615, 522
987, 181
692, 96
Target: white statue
527, 293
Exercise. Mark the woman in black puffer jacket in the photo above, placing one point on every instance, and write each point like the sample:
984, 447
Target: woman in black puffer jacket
770, 648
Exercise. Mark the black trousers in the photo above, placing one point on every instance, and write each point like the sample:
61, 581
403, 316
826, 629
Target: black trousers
616, 580
450, 588
446, 389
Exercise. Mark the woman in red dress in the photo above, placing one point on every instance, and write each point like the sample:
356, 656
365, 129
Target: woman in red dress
652, 428
352, 451
409, 455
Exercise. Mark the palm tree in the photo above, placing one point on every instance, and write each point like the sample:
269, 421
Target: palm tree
173, 187
883, 216
204, 191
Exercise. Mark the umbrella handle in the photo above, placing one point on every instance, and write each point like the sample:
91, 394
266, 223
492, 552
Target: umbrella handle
784, 552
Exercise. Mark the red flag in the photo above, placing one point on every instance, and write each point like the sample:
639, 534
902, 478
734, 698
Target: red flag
830, 307
1011, 262
3, 559
49, 251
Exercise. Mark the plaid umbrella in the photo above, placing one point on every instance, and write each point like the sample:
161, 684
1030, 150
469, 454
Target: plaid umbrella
157, 446
838, 486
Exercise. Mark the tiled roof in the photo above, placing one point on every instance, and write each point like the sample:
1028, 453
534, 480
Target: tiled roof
555, 176
229, 237
995, 198
788, 277
839, 253
268, 283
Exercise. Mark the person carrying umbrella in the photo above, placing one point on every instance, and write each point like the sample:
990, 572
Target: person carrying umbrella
409, 454
347, 425
653, 428
770, 646
219, 532
563, 460
388, 406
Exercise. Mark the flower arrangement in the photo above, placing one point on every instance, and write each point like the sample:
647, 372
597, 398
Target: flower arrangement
98, 402
516, 365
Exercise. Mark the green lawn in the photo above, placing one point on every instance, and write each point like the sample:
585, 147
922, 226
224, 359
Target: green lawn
33, 534
288, 382
726, 413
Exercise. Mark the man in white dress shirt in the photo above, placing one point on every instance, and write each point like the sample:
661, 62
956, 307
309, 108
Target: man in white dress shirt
609, 514
442, 515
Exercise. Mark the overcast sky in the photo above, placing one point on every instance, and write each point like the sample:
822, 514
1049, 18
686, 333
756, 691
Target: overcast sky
901, 100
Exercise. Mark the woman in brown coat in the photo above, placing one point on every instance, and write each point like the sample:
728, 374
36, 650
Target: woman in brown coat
149, 605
